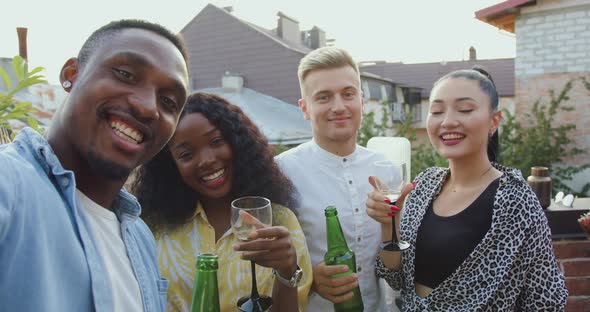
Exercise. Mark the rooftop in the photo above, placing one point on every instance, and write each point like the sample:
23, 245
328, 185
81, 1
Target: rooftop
423, 75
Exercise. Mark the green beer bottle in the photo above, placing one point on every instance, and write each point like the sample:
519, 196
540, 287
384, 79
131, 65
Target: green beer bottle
339, 253
205, 292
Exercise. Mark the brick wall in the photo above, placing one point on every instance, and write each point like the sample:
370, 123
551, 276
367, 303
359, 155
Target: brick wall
553, 41
553, 47
573, 258
533, 88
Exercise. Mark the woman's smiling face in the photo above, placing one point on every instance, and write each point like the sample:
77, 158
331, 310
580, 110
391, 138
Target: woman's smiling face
460, 118
203, 156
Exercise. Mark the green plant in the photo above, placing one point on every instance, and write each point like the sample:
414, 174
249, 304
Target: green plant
279, 147
545, 141
371, 127
423, 155
405, 128
12, 109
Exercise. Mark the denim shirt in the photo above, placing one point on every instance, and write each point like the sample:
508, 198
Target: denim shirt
48, 257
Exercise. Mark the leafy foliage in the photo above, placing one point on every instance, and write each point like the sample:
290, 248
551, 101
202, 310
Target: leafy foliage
280, 147
371, 127
12, 109
545, 141
423, 155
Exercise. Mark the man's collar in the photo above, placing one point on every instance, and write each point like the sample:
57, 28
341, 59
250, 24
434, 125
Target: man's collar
331, 157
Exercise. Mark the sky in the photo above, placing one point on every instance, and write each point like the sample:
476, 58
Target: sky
415, 31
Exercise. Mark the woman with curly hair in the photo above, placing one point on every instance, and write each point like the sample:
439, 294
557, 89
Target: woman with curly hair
217, 155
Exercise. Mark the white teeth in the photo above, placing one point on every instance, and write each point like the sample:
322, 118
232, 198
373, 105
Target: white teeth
452, 136
214, 175
127, 133
125, 137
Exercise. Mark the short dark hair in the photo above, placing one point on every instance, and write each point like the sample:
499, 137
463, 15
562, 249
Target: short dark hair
111, 29
167, 201
487, 85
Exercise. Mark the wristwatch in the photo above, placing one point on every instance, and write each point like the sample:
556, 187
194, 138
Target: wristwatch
293, 281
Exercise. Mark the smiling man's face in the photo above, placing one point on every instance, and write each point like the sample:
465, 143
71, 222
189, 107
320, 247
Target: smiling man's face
333, 103
124, 102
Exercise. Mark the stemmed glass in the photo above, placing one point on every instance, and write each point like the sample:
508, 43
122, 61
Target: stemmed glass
247, 214
392, 178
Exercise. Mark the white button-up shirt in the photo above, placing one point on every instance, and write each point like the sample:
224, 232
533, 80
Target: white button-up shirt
324, 179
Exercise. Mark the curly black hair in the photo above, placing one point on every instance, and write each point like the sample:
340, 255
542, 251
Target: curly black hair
167, 200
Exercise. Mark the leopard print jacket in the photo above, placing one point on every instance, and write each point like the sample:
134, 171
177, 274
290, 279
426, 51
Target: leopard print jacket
513, 268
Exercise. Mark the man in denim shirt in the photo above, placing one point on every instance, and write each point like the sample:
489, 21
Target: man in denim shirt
70, 236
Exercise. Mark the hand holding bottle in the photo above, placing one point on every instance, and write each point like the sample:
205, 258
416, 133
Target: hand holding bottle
338, 255
337, 289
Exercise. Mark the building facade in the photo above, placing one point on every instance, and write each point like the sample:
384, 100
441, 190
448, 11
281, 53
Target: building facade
552, 49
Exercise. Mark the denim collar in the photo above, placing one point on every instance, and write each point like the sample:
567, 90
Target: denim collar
125, 205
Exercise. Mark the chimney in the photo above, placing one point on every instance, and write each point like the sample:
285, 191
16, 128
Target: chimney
22, 42
317, 38
288, 28
232, 82
472, 54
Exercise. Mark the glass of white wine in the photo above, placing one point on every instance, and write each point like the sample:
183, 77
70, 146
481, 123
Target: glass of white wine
248, 214
392, 177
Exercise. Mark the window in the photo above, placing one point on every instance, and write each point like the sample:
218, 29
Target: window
397, 112
374, 90
390, 92
417, 112
365, 88
412, 95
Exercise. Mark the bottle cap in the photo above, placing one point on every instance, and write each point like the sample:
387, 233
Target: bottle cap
540, 171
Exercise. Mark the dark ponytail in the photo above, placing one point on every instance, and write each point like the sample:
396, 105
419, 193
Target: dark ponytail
486, 83
493, 146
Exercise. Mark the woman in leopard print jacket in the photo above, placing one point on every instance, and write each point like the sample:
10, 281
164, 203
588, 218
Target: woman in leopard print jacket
479, 240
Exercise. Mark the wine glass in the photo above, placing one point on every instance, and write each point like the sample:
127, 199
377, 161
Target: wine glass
392, 178
247, 214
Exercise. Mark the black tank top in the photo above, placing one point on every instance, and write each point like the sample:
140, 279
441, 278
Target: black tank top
443, 243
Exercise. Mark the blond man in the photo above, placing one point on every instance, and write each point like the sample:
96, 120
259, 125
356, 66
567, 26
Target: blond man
332, 169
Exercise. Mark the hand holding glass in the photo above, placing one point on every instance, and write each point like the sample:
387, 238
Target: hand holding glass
248, 214
392, 178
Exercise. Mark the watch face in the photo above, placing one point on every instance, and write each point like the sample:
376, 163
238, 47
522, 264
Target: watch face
297, 276
293, 281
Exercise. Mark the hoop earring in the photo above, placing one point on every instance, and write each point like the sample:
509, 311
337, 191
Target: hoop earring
66, 84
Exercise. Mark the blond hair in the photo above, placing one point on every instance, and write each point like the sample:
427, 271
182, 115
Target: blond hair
324, 58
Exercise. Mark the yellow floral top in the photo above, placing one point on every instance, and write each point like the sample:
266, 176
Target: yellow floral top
178, 250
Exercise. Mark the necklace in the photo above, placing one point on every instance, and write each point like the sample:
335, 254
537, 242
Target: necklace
484, 173
488, 170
